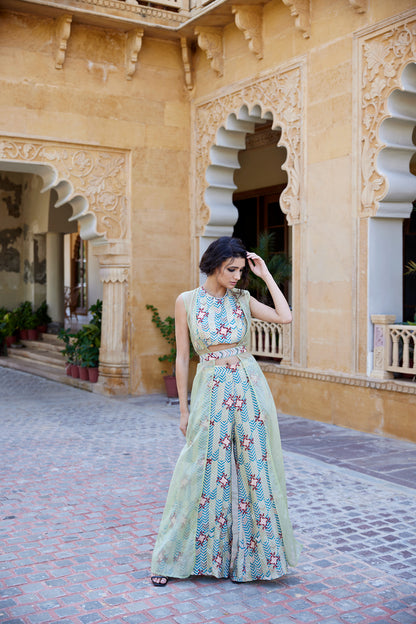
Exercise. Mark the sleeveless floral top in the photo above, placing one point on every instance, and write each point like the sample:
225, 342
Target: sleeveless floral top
217, 320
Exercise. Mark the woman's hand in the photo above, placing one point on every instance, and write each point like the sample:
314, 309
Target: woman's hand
257, 265
183, 422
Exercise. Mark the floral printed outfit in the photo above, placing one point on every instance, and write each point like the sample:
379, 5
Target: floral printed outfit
232, 417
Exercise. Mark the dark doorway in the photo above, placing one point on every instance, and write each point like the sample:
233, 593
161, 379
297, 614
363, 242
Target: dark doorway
258, 212
409, 254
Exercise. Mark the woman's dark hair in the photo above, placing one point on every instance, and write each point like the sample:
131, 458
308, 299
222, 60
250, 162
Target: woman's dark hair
220, 250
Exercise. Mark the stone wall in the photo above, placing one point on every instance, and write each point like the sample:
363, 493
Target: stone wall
306, 78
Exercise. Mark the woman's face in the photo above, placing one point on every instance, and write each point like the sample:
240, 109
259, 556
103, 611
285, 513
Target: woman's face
230, 271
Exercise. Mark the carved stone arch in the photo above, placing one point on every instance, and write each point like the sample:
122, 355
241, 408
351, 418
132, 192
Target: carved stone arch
94, 182
398, 133
220, 129
383, 57
386, 57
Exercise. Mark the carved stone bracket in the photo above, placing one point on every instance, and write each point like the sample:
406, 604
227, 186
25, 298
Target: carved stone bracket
186, 59
249, 19
210, 40
93, 181
300, 9
280, 94
62, 33
133, 47
360, 6
382, 57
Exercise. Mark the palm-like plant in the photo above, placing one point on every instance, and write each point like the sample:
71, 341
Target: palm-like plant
279, 265
410, 268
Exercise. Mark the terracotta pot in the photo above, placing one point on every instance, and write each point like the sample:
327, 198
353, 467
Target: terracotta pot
10, 340
24, 334
68, 369
93, 374
171, 387
83, 373
32, 334
42, 329
75, 371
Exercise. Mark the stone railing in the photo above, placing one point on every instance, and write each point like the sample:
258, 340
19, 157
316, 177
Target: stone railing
182, 5
394, 347
271, 340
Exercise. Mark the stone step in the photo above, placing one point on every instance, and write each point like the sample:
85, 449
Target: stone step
43, 345
38, 355
48, 372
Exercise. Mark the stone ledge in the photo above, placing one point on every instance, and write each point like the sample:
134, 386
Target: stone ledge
349, 380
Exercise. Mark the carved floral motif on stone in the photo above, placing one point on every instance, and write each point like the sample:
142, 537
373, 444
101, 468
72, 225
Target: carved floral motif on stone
383, 56
278, 93
97, 175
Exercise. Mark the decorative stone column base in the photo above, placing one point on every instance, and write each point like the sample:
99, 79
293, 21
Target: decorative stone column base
382, 345
114, 379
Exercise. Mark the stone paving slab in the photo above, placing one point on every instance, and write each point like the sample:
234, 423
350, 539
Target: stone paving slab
83, 483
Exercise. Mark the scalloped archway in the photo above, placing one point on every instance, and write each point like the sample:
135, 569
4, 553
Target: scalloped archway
221, 125
220, 128
94, 183
386, 61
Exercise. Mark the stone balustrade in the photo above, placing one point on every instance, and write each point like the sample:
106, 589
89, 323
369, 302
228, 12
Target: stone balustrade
394, 347
271, 340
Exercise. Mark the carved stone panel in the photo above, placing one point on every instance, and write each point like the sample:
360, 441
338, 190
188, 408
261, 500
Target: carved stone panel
383, 54
95, 180
280, 94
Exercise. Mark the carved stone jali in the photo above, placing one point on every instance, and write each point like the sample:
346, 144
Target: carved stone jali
382, 57
279, 93
99, 176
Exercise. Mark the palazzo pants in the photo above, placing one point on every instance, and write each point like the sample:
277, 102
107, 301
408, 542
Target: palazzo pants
196, 533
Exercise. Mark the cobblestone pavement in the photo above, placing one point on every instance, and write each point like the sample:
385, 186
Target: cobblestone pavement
83, 483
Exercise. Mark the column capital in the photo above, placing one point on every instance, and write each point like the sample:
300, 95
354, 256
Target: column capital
114, 274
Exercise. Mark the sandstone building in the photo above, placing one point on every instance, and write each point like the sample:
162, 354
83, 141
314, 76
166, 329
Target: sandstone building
133, 133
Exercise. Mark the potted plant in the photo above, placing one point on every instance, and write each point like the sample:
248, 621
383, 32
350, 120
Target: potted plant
24, 315
10, 327
3, 313
89, 340
167, 329
32, 324
69, 351
42, 317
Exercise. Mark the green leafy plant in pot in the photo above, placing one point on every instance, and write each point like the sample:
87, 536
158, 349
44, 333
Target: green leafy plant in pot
88, 343
3, 330
24, 317
70, 349
42, 317
167, 329
10, 327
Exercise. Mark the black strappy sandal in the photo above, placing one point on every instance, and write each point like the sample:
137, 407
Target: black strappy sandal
159, 581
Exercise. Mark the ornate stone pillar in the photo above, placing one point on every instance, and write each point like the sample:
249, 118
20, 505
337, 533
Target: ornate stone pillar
114, 352
287, 344
55, 276
382, 345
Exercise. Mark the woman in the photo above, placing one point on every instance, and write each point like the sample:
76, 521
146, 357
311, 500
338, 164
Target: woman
232, 413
